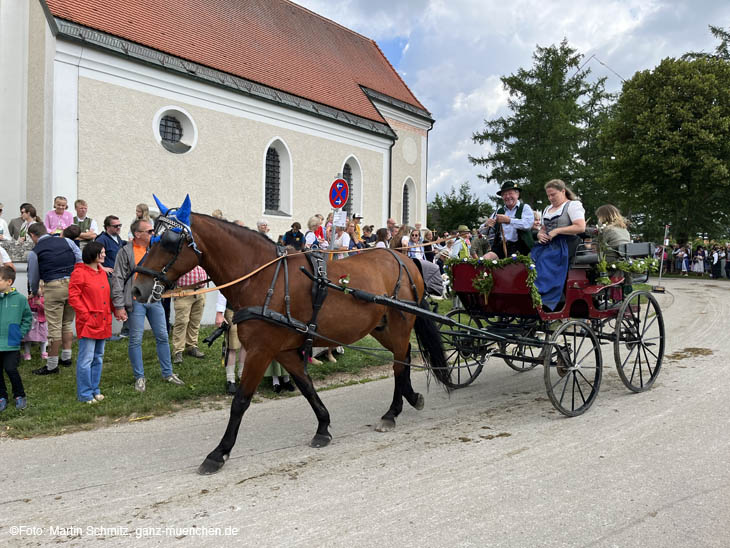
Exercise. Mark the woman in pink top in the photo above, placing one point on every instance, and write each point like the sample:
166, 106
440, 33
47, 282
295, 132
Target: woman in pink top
59, 218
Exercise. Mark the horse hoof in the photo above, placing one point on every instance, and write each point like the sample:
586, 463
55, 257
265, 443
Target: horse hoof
386, 425
210, 466
320, 440
420, 402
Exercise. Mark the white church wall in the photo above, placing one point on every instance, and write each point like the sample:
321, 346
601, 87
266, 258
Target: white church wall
120, 163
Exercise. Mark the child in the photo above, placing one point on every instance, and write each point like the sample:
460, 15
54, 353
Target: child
58, 218
15, 320
39, 329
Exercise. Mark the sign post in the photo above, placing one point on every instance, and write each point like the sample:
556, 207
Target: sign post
660, 288
338, 195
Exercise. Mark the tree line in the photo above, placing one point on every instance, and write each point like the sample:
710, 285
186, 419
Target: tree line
659, 149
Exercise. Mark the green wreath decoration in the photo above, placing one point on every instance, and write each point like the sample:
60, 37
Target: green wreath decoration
484, 281
631, 266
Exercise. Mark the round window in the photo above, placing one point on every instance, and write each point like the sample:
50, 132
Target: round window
175, 130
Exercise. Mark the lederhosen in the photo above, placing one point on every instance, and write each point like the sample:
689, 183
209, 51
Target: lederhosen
524, 242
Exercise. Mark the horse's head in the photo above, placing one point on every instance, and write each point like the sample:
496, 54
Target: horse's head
172, 253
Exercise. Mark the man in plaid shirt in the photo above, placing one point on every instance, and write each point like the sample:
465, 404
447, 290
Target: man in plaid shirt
188, 313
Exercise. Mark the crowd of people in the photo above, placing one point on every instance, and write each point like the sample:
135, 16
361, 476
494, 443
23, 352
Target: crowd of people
79, 274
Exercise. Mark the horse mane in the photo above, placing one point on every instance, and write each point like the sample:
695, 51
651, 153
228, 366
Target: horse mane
236, 230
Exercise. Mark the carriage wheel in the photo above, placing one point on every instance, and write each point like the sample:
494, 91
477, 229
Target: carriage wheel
573, 367
519, 351
464, 353
638, 346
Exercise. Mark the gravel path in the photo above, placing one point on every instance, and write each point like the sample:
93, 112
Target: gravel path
489, 465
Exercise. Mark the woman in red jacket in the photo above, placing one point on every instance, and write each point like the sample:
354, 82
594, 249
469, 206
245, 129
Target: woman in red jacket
89, 295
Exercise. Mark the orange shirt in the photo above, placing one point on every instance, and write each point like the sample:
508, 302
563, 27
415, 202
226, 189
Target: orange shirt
139, 252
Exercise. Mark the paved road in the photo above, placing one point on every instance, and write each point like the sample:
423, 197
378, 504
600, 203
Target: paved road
489, 465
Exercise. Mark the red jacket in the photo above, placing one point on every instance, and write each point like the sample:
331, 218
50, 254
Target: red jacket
90, 297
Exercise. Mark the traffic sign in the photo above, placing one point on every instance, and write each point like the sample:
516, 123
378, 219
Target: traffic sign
339, 192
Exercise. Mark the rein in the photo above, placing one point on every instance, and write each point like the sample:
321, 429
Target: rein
186, 293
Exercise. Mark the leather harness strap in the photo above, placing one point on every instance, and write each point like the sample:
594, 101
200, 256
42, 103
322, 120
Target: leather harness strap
320, 284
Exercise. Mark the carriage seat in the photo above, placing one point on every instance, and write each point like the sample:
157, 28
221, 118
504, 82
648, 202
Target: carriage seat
636, 250
584, 257
588, 258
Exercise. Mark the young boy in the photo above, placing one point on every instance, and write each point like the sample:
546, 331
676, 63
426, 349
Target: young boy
15, 322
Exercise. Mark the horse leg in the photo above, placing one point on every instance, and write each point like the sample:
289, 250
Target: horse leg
253, 372
402, 385
292, 362
414, 398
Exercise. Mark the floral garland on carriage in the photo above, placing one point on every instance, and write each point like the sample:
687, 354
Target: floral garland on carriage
630, 266
484, 281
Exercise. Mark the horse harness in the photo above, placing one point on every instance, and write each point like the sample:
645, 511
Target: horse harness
320, 286
173, 234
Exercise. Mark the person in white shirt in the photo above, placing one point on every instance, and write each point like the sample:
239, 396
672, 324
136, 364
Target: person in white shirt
4, 232
341, 243
515, 220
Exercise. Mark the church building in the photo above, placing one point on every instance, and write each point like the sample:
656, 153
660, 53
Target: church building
251, 106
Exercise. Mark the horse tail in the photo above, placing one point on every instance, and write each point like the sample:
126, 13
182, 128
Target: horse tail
432, 348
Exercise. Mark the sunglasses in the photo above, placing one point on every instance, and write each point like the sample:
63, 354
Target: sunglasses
150, 231
115, 226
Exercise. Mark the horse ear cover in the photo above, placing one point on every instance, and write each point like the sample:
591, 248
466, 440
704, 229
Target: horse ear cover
183, 214
163, 209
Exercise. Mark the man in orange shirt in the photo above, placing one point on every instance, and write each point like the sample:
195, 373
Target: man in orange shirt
126, 308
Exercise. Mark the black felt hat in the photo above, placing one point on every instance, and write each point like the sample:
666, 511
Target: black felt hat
509, 185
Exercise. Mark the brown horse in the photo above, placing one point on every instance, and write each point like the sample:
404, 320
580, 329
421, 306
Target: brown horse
227, 251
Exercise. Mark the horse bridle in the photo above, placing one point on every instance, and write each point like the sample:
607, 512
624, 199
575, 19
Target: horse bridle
172, 234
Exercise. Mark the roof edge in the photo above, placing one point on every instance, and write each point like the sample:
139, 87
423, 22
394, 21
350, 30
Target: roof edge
50, 19
87, 36
398, 75
397, 103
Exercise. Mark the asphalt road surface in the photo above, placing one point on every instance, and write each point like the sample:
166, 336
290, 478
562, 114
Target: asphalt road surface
489, 465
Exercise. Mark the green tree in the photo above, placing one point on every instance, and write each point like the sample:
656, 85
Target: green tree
457, 207
722, 50
553, 128
669, 140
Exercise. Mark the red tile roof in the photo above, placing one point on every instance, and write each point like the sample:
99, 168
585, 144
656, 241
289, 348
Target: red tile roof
272, 42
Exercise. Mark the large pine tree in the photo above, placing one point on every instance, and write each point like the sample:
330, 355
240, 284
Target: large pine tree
552, 130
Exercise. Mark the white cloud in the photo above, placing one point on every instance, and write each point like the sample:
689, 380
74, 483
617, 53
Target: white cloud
456, 50
487, 99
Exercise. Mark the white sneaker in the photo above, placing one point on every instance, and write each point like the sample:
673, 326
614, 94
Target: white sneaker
140, 384
99, 397
174, 379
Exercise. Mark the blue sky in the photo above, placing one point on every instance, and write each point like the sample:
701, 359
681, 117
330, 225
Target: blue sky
451, 53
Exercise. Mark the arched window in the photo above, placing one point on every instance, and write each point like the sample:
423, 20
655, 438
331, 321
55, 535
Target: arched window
273, 180
347, 176
409, 201
352, 173
277, 179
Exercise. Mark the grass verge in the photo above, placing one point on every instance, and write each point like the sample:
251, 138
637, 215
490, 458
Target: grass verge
53, 408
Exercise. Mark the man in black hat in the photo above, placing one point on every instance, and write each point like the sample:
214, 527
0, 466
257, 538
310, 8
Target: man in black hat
513, 221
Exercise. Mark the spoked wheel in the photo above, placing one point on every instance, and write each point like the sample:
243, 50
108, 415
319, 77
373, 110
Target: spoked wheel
465, 354
638, 346
519, 351
573, 368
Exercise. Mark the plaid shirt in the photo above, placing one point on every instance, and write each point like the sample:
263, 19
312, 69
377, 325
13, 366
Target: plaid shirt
195, 278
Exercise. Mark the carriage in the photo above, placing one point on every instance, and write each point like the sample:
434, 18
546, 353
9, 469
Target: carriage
281, 313
507, 323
